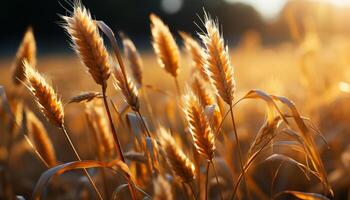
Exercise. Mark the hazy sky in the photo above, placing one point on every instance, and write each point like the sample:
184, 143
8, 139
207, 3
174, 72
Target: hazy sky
269, 9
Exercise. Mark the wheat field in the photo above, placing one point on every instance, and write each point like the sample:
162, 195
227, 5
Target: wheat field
192, 118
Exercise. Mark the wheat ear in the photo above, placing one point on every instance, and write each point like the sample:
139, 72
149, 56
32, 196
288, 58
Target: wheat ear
217, 61
197, 54
134, 58
181, 165
166, 48
88, 43
26, 51
41, 139
205, 98
202, 135
127, 88
50, 105
102, 127
162, 189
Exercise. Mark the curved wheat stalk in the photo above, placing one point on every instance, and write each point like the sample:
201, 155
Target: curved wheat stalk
217, 61
88, 43
197, 54
134, 59
181, 165
41, 139
202, 135
50, 105
26, 51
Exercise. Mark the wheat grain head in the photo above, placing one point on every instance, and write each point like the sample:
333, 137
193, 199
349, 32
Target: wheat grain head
134, 59
26, 51
41, 139
217, 61
128, 89
199, 127
197, 54
181, 165
165, 46
49, 103
88, 43
162, 189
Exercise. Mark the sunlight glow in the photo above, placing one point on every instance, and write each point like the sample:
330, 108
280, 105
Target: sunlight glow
171, 6
269, 9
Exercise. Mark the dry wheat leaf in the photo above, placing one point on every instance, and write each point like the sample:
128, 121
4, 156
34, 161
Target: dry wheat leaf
60, 169
84, 97
303, 195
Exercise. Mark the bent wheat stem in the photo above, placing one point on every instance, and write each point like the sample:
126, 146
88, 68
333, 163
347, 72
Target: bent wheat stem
143, 123
217, 179
115, 136
177, 86
206, 181
239, 148
117, 143
192, 191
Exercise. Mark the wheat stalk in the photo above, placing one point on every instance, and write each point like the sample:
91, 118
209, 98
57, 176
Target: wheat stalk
220, 72
203, 138
49, 103
197, 54
181, 165
217, 61
51, 107
41, 139
88, 43
134, 59
26, 51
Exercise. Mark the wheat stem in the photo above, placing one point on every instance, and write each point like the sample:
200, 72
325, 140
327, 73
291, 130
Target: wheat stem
143, 123
217, 179
247, 166
206, 181
115, 136
117, 143
239, 148
79, 158
192, 191
177, 86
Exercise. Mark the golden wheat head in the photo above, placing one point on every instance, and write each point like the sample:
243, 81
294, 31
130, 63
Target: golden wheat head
88, 43
134, 59
41, 139
196, 52
26, 51
46, 98
182, 166
165, 46
128, 89
199, 127
206, 98
217, 61
102, 127
162, 189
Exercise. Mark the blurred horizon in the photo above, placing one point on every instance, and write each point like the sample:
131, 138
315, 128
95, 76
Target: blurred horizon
269, 19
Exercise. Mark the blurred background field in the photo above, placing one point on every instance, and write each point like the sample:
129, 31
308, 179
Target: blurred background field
298, 49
